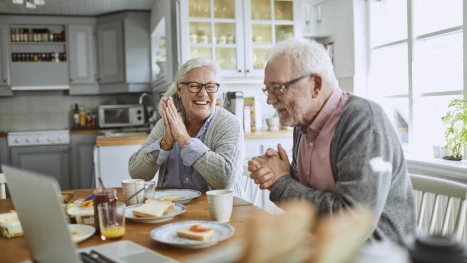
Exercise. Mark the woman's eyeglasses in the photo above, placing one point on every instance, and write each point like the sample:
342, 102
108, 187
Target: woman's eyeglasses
277, 90
195, 87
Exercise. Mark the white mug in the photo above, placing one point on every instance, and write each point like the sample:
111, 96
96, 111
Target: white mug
131, 186
220, 204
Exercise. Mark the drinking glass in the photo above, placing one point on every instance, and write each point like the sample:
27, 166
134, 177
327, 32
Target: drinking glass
103, 196
112, 220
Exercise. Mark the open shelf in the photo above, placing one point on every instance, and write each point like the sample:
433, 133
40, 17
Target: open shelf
39, 43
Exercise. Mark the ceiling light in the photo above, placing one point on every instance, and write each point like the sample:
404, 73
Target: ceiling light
30, 5
39, 2
18, 2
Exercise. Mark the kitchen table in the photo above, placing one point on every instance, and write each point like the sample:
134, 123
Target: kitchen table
15, 250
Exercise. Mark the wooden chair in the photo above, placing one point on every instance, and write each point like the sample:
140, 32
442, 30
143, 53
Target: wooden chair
2, 187
441, 187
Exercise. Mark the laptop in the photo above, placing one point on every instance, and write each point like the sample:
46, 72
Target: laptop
37, 200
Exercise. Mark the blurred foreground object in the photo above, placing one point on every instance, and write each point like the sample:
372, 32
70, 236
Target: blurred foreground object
437, 249
281, 238
339, 236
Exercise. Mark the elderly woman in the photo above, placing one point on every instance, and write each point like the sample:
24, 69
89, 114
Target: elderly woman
195, 145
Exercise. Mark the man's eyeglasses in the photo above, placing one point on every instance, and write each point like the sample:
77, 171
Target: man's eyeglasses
277, 90
195, 87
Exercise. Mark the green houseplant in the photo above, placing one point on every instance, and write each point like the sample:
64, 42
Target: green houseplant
456, 132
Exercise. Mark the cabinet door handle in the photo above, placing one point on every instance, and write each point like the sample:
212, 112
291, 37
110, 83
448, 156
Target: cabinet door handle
240, 70
247, 71
4, 80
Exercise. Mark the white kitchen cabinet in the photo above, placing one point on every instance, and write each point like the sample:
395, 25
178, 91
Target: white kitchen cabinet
111, 163
255, 147
235, 33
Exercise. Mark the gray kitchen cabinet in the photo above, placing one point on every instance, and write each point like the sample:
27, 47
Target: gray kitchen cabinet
82, 59
110, 44
51, 160
4, 59
82, 162
123, 47
4, 153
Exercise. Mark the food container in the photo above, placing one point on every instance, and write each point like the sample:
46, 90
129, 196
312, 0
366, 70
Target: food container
85, 215
10, 225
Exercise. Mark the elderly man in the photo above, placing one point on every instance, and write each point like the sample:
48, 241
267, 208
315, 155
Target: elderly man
345, 150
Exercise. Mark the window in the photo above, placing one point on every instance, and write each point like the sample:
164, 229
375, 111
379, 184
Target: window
416, 65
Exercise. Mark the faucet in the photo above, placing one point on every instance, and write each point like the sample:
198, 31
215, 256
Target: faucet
151, 109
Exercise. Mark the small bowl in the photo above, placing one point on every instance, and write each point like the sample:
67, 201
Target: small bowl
10, 225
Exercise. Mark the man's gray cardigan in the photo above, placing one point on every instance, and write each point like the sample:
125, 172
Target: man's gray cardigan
369, 169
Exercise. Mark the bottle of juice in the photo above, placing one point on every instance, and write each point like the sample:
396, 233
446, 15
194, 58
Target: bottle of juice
82, 117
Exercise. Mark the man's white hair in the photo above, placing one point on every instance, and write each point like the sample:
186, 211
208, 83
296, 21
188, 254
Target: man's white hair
181, 77
307, 57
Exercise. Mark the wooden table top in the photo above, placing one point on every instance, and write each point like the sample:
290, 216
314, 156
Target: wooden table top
15, 250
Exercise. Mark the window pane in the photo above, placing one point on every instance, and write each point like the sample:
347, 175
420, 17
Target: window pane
428, 127
199, 52
388, 21
389, 72
224, 9
283, 10
438, 64
260, 10
397, 110
199, 8
434, 15
226, 57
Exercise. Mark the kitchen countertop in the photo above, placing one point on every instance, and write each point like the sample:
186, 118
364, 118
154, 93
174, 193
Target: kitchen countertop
73, 132
132, 139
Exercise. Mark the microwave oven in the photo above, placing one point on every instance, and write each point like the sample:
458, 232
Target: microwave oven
121, 115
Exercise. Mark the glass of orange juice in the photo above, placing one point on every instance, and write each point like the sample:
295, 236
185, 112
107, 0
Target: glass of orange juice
111, 220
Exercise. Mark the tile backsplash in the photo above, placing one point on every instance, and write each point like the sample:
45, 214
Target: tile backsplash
48, 110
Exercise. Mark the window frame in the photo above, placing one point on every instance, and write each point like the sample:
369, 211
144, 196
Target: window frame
411, 41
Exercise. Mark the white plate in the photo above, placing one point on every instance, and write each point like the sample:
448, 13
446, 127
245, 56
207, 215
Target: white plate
168, 234
184, 195
80, 232
178, 209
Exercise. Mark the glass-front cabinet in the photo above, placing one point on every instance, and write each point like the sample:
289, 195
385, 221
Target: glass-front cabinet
235, 33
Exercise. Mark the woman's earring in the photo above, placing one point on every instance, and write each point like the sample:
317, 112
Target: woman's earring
179, 96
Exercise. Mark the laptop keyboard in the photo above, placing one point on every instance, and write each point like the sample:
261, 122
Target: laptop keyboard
95, 257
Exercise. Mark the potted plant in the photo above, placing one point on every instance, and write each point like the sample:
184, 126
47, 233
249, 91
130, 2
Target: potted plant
456, 132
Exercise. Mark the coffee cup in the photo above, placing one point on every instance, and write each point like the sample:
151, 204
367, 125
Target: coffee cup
131, 186
220, 204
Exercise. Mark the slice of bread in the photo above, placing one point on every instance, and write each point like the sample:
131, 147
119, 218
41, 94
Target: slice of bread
200, 236
153, 208
170, 198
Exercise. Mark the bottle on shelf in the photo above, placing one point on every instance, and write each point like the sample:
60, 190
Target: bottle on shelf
82, 117
76, 116
88, 116
93, 120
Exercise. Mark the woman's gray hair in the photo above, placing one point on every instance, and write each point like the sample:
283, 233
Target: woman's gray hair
307, 57
181, 77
